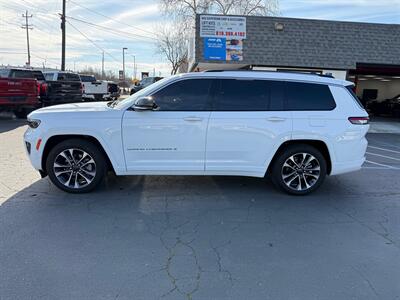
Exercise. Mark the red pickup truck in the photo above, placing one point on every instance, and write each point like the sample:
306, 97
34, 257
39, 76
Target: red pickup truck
18, 94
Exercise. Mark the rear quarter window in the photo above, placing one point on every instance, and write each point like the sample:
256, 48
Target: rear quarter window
350, 89
308, 96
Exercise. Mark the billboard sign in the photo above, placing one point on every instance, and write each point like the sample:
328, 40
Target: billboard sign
223, 26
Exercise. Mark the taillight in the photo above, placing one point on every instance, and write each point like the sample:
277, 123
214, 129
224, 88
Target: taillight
82, 88
359, 120
38, 88
43, 87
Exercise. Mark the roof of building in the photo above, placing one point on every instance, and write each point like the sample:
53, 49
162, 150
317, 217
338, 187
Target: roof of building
315, 43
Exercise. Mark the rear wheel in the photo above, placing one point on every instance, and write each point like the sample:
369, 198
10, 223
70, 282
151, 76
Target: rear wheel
76, 166
299, 169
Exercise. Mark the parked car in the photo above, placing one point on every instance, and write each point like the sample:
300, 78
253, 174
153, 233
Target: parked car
27, 73
98, 90
387, 107
296, 128
62, 87
19, 91
144, 83
19, 95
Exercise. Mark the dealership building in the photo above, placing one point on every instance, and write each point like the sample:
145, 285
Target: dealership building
366, 53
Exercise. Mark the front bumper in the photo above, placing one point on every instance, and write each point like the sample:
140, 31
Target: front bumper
32, 149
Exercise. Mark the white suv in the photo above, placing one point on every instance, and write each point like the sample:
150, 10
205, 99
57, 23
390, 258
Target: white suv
297, 128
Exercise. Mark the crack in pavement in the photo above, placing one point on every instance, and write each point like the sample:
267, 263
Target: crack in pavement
370, 285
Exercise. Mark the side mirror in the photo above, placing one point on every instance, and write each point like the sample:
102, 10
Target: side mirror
144, 103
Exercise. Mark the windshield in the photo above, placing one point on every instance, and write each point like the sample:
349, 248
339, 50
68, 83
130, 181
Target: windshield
143, 92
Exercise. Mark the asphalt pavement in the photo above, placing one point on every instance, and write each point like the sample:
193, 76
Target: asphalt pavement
175, 237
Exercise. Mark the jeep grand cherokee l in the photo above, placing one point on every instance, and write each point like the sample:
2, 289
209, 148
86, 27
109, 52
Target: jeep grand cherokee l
296, 128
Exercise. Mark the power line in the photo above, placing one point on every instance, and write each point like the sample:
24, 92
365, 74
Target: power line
112, 19
97, 46
111, 30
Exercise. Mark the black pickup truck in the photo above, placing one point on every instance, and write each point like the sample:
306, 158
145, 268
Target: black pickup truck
62, 87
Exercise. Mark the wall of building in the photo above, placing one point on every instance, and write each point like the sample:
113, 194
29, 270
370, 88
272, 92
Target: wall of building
313, 43
386, 90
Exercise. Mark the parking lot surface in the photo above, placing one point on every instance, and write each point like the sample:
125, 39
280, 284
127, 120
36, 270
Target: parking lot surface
166, 237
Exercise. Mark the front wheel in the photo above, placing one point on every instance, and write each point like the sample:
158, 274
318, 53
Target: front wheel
299, 169
76, 166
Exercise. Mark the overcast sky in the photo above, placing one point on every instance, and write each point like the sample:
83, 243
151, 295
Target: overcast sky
136, 19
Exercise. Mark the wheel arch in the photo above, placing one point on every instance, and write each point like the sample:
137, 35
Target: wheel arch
56, 139
318, 144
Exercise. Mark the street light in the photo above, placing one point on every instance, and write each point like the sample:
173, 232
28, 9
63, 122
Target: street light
123, 63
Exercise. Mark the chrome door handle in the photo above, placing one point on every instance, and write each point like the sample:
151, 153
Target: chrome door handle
276, 119
193, 119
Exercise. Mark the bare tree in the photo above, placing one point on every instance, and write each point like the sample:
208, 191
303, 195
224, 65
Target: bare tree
187, 9
245, 7
172, 44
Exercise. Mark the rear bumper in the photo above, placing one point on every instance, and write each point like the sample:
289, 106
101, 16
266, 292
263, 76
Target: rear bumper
346, 167
352, 156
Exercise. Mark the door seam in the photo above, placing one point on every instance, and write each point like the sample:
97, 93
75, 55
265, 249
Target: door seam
205, 144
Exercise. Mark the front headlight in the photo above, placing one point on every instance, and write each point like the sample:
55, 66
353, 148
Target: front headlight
33, 123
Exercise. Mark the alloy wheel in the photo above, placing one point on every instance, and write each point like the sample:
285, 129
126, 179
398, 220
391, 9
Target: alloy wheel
74, 168
301, 171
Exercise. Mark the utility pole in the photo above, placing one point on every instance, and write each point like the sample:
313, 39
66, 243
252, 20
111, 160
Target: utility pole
63, 36
102, 66
134, 66
27, 27
123, 63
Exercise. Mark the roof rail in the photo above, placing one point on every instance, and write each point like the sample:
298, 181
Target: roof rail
328, 75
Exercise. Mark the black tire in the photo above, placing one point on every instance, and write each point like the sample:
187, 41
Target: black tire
79, 146
98, 98
306, 174
21, 114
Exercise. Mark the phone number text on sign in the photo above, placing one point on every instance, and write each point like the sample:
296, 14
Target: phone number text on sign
223, 26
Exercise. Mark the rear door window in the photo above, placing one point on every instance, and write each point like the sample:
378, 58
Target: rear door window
249, 95
308, 96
